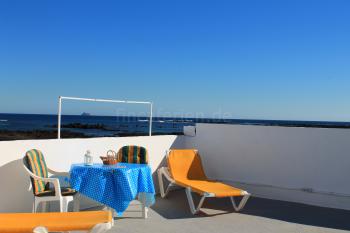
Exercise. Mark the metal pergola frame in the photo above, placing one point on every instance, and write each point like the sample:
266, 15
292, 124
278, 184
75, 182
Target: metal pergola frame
60, 98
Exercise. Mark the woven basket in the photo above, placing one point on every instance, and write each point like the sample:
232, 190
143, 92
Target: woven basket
110, 159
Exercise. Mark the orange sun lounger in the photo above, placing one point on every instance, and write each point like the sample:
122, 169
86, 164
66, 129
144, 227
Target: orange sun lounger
185, 169
89, 221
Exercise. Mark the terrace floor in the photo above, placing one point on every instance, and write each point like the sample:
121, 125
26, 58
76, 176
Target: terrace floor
260, 215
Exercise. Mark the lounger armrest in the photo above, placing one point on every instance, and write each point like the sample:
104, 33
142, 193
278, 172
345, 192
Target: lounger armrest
55, 181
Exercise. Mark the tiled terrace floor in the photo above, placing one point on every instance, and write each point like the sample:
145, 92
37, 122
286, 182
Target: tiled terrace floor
260, 215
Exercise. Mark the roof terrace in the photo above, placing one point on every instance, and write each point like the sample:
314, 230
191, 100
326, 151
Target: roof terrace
259, 215
297, 178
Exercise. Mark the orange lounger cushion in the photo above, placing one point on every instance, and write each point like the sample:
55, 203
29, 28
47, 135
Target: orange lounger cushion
187, 170
217, 188
54, 222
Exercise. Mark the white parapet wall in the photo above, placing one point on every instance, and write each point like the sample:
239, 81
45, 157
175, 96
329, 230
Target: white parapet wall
306, 165
15, 195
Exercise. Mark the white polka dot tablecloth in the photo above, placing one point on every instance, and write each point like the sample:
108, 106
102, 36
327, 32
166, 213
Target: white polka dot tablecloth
114, 185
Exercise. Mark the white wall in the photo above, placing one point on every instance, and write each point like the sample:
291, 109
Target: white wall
277, 162
59, 155
271, 162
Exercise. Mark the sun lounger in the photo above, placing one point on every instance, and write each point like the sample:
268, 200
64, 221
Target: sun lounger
185, 169
89, 221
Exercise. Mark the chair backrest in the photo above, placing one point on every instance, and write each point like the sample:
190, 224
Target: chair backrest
186, 165
35, 162
133, 154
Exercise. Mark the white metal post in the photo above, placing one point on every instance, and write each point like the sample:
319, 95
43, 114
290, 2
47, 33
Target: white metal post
59, 117
150, 120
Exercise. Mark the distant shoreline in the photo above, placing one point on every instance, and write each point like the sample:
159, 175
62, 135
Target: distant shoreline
10, 135
192, 119
39, 126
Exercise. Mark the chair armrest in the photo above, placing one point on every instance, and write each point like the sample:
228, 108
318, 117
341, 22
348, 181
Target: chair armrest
53, 172
55, 181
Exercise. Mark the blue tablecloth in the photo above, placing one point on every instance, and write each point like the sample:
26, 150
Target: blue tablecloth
114, 185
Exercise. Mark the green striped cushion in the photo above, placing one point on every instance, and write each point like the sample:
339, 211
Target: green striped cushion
36, 164
133, 154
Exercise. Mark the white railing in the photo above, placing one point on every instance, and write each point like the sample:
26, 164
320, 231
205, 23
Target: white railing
60, 98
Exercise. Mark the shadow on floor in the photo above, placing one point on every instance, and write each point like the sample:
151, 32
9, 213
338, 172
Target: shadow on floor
175, 206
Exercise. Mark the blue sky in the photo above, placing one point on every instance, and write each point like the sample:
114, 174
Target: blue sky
237, 59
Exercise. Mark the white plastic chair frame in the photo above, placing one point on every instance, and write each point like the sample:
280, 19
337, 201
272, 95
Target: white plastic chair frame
164, 172
98, 228
63, 200
144, 209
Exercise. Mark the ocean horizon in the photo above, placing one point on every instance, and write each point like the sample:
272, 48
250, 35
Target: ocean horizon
86, 125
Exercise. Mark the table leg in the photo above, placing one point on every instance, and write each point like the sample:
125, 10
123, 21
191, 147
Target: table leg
144, 211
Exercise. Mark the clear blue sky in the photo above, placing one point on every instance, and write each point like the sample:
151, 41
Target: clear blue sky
281, 59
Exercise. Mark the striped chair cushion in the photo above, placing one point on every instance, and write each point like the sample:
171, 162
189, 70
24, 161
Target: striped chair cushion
133, 154
36, 164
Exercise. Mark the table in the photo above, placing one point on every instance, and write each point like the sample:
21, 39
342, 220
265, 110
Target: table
114, 185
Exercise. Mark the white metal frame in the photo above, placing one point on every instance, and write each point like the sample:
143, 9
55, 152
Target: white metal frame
63, 200
98, 228
60, 98
164, 172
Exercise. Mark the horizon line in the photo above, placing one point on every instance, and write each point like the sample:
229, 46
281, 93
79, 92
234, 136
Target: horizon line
204, 118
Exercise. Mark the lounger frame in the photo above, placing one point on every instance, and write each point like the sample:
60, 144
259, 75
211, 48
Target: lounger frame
98, 228
60, 222
164, 172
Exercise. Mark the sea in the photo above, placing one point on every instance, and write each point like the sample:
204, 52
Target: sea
129, 125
